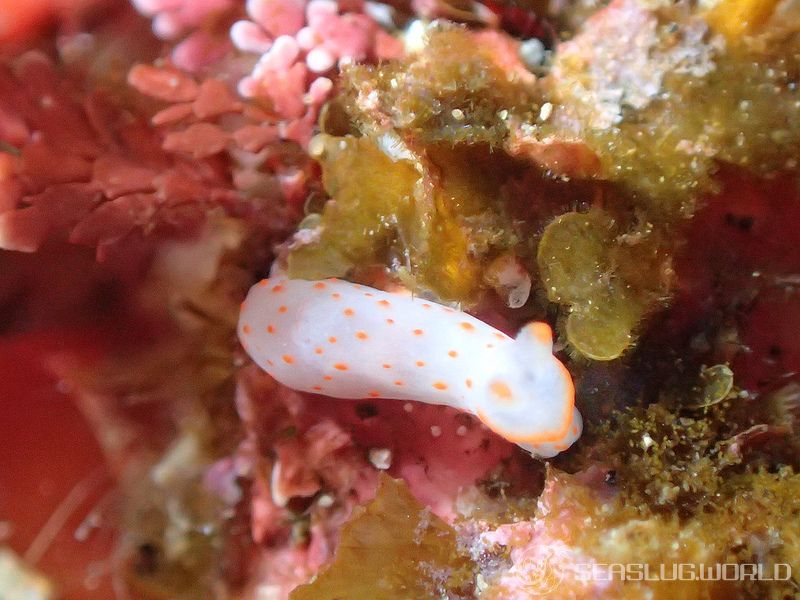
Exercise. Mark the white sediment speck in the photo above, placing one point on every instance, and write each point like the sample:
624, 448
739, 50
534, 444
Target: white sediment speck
325, 501
380, 458
436, 431
545, 111
532, 53
481, 583
415, 37
268, 592
382, 13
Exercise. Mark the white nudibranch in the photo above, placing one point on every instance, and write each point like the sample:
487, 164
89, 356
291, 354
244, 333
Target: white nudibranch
346, 340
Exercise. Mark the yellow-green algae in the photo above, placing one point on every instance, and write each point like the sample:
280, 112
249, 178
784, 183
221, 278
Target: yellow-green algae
714, 385
413, 172
454, 90
434, 217
607, 278
684, 488
687, 492
373, 208
683, 99
393, 549
661, 109
735, 18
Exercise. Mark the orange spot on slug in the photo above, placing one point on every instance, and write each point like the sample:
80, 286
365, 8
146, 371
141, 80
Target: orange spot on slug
349, 312
386, 366
452, 353
336, 295
420, 363
440, 385
541, 332
362, 335
418, 332
501, 390
282, 309
467, 326
246, 329
332, 340
270, 329
288, 359
277, 289
328, 377
340, 367
469, 383
384, 303
319, 286
318, 350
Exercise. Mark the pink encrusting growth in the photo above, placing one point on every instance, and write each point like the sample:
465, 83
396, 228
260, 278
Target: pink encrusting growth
301, 44
174, 17
345, 340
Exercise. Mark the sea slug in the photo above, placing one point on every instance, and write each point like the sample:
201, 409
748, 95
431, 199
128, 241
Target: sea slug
346, 340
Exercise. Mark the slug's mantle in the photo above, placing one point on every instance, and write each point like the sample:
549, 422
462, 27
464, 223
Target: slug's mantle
345, 340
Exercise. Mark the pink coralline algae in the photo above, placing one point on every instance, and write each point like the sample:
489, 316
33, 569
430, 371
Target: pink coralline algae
191, 25
301, 43
174, 17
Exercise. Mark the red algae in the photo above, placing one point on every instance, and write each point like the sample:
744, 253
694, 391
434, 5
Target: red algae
168, 85
23, 20
105, 192
133, 190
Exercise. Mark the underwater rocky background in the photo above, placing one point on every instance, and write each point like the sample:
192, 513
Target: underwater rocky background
624, 171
